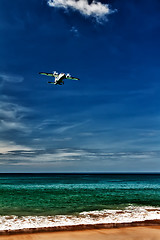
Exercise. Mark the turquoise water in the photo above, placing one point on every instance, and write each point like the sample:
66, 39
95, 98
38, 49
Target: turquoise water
54, 194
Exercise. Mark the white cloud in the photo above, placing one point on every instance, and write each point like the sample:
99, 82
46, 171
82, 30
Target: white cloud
11, 117
12, 111
20, 155
11, 78
6, 146
7, 126
95, 9
59, 155
65, 128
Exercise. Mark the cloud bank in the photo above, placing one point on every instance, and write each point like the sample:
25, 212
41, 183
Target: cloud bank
95, 9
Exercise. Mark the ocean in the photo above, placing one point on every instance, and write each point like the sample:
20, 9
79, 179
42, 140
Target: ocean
51, 200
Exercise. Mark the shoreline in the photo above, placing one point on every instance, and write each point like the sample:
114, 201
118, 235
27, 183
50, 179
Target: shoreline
81, 227
129, 233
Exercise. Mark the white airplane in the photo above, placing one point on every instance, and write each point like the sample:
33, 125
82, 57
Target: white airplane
59, 77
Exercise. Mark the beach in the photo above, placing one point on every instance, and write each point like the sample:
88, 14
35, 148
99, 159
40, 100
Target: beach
64, 205
129, 233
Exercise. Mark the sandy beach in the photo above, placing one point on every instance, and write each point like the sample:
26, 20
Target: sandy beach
129, 233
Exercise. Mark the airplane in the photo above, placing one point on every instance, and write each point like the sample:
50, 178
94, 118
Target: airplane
59, 77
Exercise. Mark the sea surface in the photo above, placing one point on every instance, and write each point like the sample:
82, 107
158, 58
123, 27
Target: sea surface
48, 200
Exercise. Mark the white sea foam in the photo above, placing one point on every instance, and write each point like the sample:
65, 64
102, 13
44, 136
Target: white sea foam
127, 215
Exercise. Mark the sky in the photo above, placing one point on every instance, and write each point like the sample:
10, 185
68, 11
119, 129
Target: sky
109, 121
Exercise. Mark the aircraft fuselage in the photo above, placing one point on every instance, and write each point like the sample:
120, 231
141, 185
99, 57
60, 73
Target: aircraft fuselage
59, 79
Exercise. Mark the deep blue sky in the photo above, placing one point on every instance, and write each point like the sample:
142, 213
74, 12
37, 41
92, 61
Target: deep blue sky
109, 121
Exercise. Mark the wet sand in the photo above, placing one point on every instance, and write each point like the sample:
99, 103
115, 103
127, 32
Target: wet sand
126, 233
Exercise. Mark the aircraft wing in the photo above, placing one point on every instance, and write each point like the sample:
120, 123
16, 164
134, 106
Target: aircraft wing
51, 82
72, 78
47, 74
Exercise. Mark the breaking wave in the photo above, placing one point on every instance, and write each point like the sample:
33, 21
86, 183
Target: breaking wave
128, 215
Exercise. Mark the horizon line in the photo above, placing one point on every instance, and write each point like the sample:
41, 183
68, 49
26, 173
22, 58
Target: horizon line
74, 173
